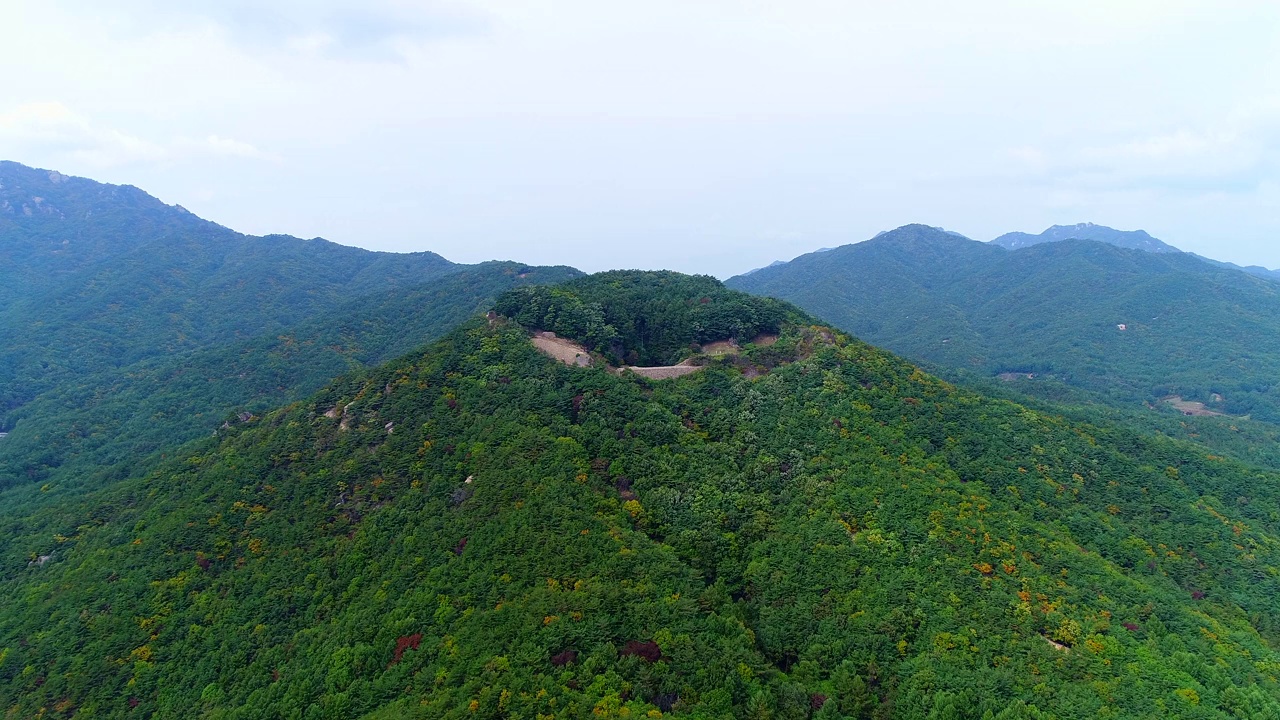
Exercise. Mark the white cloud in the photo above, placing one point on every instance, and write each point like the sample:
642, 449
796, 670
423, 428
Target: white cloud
53, 131
50, 127
1235, 152
222, 146
373, 30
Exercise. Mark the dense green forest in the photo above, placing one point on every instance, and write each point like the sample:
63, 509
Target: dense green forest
1251, 441
97, 277
1128, 326
807, 528
129, 326
88, 430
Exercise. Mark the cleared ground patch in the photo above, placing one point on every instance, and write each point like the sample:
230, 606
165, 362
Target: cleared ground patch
720, 347
662, 372
566, 351
1188, 407
572, 353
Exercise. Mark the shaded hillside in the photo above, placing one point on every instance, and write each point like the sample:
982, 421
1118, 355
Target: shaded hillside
1132, 326
104, 425
1131, 239
94, 277
480, 531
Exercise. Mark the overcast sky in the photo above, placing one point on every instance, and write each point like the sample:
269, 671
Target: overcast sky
705, 136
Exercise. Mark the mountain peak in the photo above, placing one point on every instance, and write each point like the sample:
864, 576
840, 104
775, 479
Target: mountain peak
919, 231
918, 239
913, 235
33, 195
1132, 239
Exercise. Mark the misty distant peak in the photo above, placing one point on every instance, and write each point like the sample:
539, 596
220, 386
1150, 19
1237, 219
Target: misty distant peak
1132, 239
30, 194
917, 239
775, 263
906, 237
918, 229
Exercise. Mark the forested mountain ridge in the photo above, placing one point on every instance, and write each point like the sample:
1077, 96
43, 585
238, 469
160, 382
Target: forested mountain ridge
94, 277
91, 428
1131, 239
1131, 325
1258, 270
128, 326
52, 224
805, 527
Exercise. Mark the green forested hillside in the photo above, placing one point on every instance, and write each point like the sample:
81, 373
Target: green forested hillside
103, 425
95, 277
808, 528
1127, 325
127, 325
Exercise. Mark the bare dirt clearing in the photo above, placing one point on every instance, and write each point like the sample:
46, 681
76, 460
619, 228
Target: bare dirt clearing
1187, 407
662, 372
571, 353
566, 351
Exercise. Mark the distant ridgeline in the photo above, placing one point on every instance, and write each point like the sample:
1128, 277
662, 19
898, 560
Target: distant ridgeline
1129, 326
1131, 239
96, 277
479, 531
128, 325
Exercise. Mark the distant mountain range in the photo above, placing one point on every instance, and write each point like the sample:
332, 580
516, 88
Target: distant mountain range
97, 276
1134, 325
1132, 239
127, 324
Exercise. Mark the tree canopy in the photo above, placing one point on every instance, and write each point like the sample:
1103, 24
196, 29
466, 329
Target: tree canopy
478, 530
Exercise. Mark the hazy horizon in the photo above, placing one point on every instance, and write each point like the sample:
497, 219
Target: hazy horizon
714, 138
721, 276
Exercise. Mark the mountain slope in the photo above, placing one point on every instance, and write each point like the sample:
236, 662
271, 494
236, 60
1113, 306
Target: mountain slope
1257, 270
1134, 326
94, 277
1131, 239
89, 428
806, 527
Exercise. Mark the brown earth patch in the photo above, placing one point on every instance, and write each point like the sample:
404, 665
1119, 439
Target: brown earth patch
1187, 407
566, 351
764, 340
662, 372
